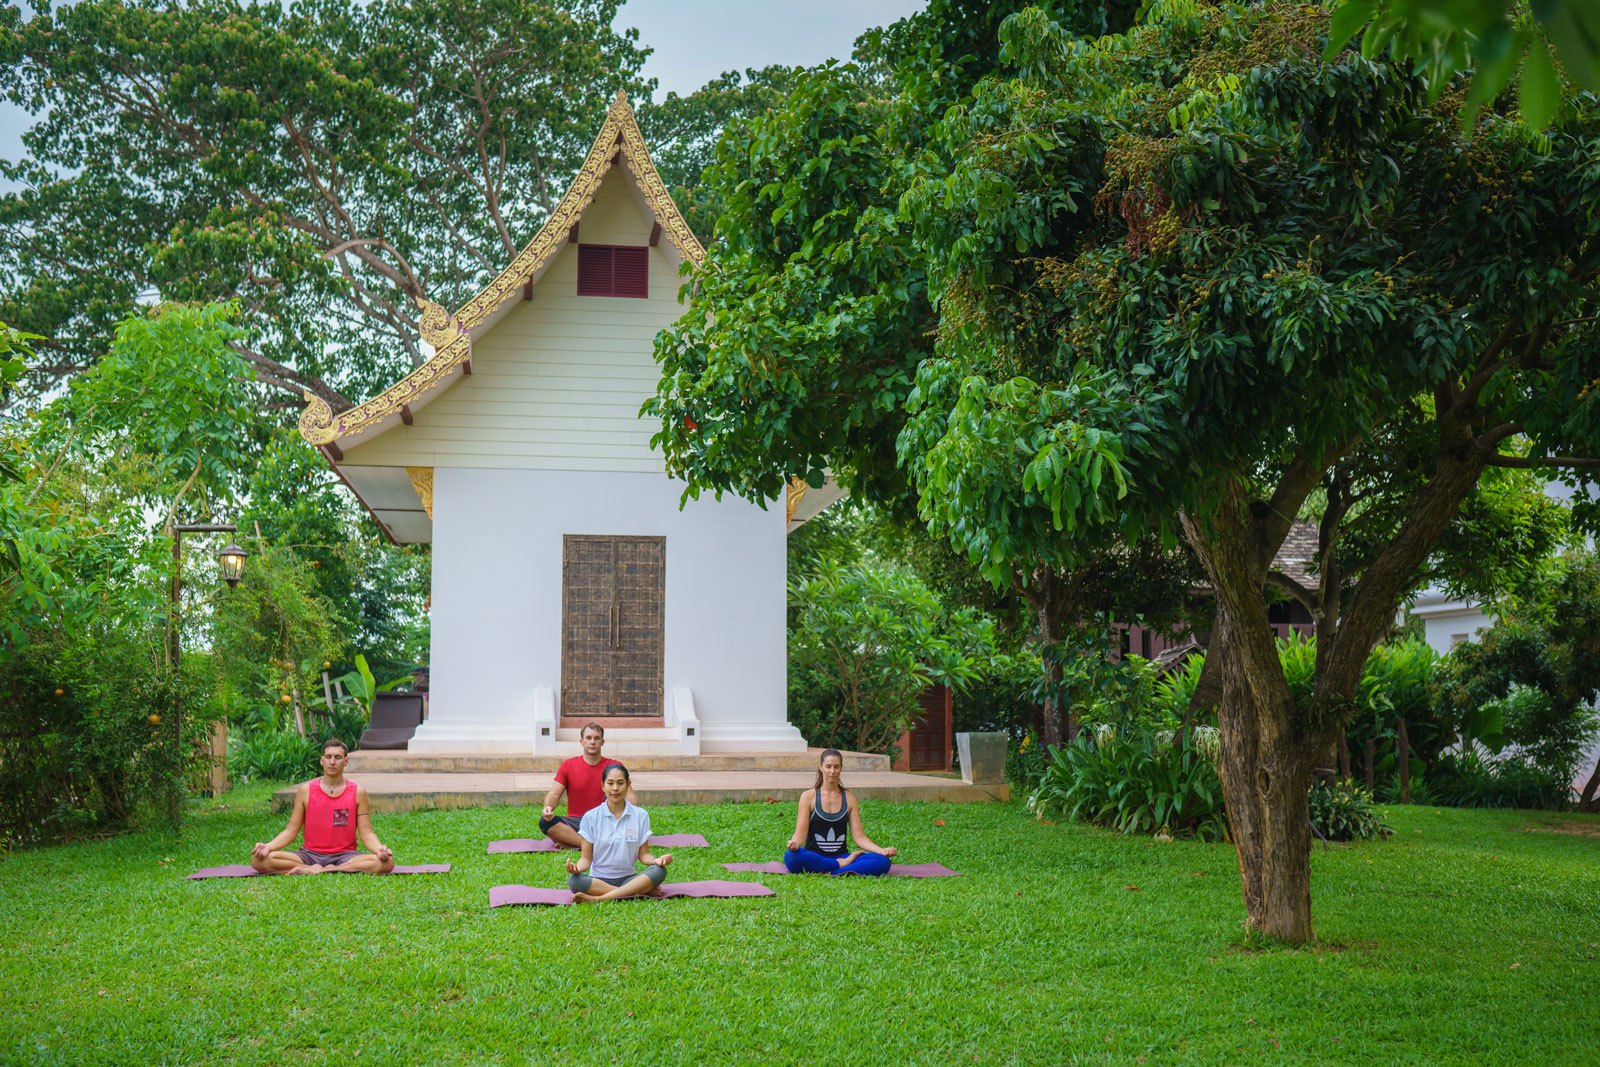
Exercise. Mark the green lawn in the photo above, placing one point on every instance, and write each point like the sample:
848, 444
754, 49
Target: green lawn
1470, 936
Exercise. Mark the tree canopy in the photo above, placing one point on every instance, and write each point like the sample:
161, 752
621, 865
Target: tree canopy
1189, 281
321, 164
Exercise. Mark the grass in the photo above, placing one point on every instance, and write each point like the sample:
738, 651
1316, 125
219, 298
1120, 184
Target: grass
1469, 936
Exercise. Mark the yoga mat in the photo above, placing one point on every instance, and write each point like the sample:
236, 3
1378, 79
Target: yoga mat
501, 895
901, 870
544, 844
244, 870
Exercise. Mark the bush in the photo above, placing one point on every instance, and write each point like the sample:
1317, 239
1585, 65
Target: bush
1344, 812
274, 756
1143, 783
78, 748
868, 640
1528, 684
1472, 780
1026, 760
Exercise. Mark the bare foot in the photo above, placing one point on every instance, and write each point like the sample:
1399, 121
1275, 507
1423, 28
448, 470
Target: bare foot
584, 898
306, 868
848, 860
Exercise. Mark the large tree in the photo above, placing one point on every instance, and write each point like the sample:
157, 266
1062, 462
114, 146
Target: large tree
1270, 271
820, 308
323, 164
1190, 280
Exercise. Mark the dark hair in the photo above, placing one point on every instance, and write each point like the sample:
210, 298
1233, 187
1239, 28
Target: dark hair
825, 754
613, 765
330, 742
596, 727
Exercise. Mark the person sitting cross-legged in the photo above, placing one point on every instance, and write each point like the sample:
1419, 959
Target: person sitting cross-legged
827, 812
333, 810
578, 778
615, 836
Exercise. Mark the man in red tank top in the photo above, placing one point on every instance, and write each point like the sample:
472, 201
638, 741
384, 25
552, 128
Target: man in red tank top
333, 811
580, 779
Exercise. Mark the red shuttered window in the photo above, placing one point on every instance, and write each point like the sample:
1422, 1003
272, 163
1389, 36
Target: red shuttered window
613, 270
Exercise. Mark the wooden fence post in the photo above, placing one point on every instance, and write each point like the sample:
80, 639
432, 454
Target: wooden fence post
1344, 757
1403, 744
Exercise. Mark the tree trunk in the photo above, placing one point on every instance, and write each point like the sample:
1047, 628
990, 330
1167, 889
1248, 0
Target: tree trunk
1265, 767
1049, 634
1265, 762
1586, 802
1052, 604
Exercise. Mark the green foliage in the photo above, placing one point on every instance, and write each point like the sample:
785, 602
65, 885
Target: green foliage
363, 686
1398, 684
1473, 780
1497, 41
171, 400
373, 590
1531, 678
1135, 783
86, 731
1100, 690
271, 636
1344, 812
273, 756
1175, 690
873, 638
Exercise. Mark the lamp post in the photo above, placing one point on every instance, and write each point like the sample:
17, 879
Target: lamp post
230, 566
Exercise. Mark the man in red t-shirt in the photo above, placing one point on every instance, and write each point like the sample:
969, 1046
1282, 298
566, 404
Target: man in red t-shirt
580, 779
334, 811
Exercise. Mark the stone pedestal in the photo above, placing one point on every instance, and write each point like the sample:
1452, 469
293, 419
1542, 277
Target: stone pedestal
983, 758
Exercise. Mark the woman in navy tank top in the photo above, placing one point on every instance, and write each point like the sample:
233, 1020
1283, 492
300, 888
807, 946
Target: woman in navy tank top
827, 818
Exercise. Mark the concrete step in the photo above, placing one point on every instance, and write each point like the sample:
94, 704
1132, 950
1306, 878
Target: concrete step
423, 791
380, 761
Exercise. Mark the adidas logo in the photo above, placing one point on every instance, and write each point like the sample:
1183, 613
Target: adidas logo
830, 841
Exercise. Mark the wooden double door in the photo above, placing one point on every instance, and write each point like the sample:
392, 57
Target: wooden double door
613, 606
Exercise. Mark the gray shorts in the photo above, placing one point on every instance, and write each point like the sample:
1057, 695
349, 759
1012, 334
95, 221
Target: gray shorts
324, 859
568, 820
583, 883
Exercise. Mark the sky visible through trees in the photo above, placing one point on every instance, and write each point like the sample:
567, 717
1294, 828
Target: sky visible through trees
794, 32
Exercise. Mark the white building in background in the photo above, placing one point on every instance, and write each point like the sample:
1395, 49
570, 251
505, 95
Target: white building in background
568, 585
1448, 621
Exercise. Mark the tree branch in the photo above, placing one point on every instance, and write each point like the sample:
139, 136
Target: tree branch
1527, 463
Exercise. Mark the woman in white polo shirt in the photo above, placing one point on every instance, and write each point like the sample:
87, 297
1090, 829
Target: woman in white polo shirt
616, 837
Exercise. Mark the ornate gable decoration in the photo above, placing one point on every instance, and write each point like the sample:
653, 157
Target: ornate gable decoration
451, 335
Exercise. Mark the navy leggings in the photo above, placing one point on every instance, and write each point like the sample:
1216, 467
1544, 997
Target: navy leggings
805, 861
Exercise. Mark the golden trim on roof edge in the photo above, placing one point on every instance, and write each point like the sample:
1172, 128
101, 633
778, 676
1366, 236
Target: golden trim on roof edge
451, 334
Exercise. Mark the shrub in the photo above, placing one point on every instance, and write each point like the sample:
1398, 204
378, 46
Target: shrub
1471, 780
1176, 689
1344, 812
78, 748
1141, 783
274, 756
1529, 682
1026, 760
873, 638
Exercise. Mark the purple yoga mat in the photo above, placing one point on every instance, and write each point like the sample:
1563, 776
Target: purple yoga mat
244, 870
501, 895
544, 844
900, 870
715, 888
